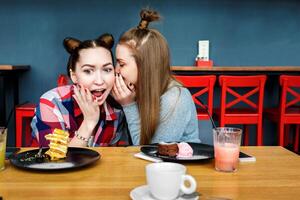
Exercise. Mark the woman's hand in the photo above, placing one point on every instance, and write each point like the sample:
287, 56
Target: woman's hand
122, 93
88, 106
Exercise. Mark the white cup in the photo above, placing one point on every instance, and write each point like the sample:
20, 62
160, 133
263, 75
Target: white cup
165, 180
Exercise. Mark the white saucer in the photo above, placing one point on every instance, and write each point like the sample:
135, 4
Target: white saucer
143, 193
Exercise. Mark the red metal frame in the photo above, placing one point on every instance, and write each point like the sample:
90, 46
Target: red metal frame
204, 84
288, 112
228, 114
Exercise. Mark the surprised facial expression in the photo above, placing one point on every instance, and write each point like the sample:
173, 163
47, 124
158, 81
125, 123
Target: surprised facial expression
95, 72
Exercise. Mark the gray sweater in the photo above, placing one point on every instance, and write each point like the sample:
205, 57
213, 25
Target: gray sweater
178, 118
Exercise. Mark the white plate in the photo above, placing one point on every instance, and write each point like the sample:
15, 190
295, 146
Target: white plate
143, 193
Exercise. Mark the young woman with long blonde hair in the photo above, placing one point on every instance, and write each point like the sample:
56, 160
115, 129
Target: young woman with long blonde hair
157, 108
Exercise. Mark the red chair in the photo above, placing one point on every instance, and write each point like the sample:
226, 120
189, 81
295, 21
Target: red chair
251, 112
25, 112
205, 88
288, 111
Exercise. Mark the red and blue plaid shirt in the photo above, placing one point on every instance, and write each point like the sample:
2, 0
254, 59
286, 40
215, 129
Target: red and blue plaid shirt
58, 109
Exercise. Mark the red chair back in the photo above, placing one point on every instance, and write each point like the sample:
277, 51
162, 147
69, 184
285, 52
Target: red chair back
251, 112
288, 112
205, 88
290, 98
229, 85
62, 80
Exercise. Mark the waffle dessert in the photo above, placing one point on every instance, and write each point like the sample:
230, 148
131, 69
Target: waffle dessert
58, 144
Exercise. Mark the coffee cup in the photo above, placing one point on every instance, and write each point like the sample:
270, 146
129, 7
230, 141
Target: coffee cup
166, 180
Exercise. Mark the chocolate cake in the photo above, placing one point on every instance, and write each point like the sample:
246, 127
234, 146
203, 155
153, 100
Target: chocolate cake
167, 149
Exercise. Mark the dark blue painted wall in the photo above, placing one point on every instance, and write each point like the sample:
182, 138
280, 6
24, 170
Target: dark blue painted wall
241, 32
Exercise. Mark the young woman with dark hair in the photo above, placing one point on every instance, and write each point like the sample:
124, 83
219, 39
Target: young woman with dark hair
85, 108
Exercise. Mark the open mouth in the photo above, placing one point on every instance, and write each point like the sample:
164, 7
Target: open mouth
98, 93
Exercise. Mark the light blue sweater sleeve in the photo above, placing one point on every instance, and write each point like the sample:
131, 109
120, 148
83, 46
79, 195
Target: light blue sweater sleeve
178, 118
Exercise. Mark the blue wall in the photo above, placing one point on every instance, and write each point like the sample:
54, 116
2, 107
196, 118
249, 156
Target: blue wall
241, 32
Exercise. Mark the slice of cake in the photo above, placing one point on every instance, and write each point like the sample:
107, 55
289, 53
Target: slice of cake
58, 144
178, 150
167, 149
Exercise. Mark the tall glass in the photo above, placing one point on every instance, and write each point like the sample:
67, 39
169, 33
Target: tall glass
227, 143
3, 135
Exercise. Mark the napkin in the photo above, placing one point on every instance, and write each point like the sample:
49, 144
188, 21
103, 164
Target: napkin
146, 157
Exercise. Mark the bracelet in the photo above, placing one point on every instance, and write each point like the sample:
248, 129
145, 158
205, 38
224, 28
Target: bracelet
81, 138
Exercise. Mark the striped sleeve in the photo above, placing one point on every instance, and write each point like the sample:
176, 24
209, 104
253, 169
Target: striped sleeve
47, 118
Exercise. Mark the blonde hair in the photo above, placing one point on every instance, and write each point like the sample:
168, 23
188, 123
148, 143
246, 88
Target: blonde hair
151, 53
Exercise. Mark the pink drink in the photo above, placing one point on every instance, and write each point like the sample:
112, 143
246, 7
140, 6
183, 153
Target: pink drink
226, 156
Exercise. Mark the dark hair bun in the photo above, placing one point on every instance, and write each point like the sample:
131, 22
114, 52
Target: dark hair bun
106, 40
70, 44
147, 16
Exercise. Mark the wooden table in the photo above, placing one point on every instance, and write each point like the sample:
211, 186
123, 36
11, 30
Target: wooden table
236, 70
275, 175
9, 84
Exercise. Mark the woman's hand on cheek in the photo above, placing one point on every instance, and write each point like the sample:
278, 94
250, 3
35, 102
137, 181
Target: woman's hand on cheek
88, 106
122, 93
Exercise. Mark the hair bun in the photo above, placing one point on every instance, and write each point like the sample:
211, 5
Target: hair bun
107, 40
147, 16
70, 44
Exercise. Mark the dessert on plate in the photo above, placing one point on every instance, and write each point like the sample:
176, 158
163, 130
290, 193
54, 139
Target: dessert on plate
58, 144
167, 149
178, 150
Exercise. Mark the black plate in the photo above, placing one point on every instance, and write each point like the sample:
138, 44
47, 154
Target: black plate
200, 152
76, 157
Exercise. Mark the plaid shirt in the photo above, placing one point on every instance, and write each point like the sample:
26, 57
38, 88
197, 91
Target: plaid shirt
58, 109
